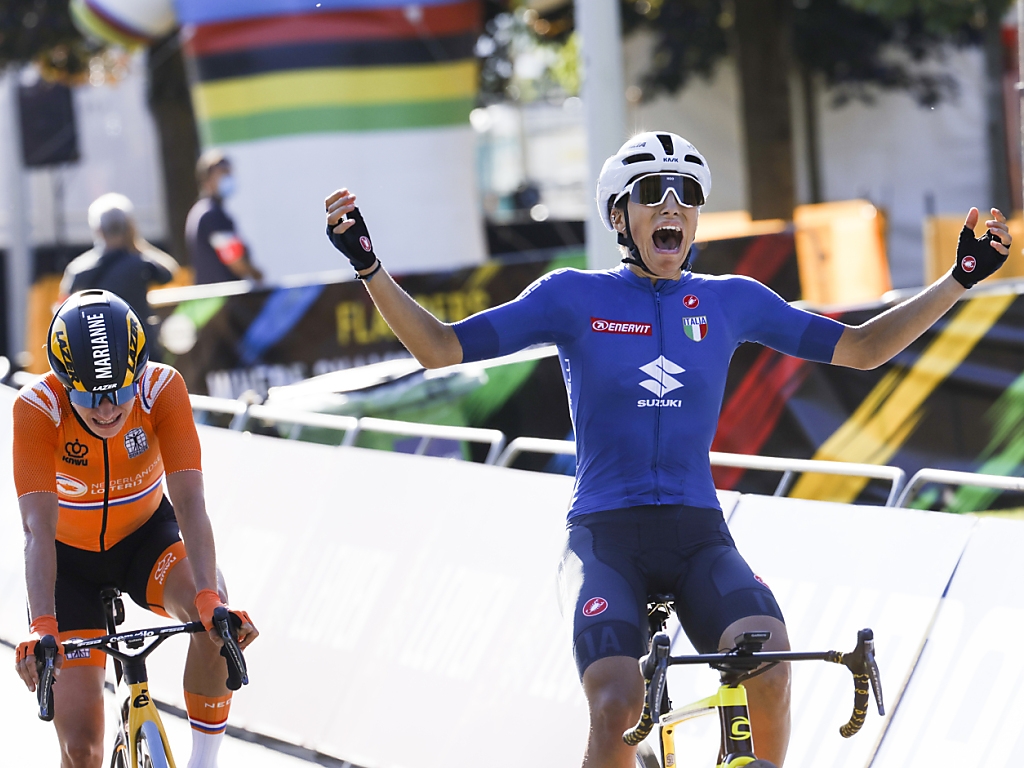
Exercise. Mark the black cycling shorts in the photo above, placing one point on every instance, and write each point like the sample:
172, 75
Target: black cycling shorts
615, 559
138, 565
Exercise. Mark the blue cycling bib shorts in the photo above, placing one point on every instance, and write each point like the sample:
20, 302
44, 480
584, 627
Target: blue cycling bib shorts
613, 560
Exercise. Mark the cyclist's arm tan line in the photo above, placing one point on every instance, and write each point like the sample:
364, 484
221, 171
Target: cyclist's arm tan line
881, 338
189, 501
39, 512
433, 343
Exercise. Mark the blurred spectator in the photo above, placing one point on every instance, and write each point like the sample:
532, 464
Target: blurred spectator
121, 261
217, 253
525, 196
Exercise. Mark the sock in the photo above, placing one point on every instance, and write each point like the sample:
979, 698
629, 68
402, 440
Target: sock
208, 716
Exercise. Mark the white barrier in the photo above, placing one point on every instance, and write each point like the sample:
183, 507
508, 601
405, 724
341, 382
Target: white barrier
408, 609
835, 569
390, 589
964, 707
395, 584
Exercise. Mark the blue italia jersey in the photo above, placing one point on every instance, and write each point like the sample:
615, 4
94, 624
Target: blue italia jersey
645, 367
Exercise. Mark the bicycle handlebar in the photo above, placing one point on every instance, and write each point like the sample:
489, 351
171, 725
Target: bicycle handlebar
224, 622
654, 668
861, 663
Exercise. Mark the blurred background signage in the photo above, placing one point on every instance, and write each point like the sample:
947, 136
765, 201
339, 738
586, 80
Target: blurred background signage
472, 132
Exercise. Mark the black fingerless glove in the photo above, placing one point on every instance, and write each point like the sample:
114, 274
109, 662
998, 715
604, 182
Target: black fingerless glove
976, 259
355, 242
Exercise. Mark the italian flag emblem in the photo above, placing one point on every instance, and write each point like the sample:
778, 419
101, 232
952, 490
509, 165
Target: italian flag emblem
696, 327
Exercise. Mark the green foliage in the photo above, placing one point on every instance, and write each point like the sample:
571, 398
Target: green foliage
859, 46
41, 31
690, 39
525, 56
565, 70
860, 52
939, 16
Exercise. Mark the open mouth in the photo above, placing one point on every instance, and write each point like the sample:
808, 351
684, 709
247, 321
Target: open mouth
108, 423
667, 239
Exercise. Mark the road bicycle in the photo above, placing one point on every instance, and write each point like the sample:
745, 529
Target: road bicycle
743, 662
140, 740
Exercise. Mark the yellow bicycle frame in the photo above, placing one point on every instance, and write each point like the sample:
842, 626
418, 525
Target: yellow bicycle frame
737, 740
140, 709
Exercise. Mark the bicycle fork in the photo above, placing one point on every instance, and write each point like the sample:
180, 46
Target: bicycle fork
141, 708
737, 745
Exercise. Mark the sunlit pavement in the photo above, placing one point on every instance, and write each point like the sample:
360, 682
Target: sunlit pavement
29, 741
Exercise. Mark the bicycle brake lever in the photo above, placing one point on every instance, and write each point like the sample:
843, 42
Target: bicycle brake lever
660, 646
226, 624
46, 666
862, 662
875, 677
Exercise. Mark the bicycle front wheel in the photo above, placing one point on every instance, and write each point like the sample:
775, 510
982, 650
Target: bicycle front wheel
645, 757
151, 747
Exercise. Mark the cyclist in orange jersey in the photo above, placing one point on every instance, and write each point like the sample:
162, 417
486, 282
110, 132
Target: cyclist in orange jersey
94, 441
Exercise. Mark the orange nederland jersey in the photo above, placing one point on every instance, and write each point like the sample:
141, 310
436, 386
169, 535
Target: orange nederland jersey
106, 488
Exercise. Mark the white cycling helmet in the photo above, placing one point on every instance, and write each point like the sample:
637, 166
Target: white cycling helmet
651, 152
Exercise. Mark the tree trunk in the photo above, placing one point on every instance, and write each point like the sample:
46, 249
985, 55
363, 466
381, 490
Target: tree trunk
761, 41
813, 142
995, 116
171, 104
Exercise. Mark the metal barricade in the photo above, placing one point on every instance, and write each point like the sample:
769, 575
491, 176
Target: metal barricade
427, 432
950, 477
793, 467
535, 445
243, 413
788, 467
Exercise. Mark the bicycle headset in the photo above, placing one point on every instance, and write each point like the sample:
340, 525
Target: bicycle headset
97, 348
646, 154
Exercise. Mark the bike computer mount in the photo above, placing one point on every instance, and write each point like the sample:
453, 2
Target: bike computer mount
742, 663
751, 642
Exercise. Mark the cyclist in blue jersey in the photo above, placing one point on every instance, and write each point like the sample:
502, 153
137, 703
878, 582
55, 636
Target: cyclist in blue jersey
645, 349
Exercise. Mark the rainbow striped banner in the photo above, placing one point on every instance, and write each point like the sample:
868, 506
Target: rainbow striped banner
283, 67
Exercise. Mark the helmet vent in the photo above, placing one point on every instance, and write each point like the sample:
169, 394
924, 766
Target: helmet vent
693, 159
666, 142
641, 158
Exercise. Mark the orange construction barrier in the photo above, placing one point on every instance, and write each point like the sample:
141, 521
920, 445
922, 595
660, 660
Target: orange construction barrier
840, 249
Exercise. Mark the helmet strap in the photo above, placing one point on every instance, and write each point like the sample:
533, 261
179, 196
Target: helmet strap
633, 257
626, 239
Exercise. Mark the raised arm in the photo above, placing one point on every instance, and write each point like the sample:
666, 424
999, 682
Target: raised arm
881, 338
433, 343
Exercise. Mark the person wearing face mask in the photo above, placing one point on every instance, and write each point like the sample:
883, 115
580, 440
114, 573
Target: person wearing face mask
218, 254
645, 350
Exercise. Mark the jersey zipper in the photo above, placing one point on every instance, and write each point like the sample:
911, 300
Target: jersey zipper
106, 496
657, 422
